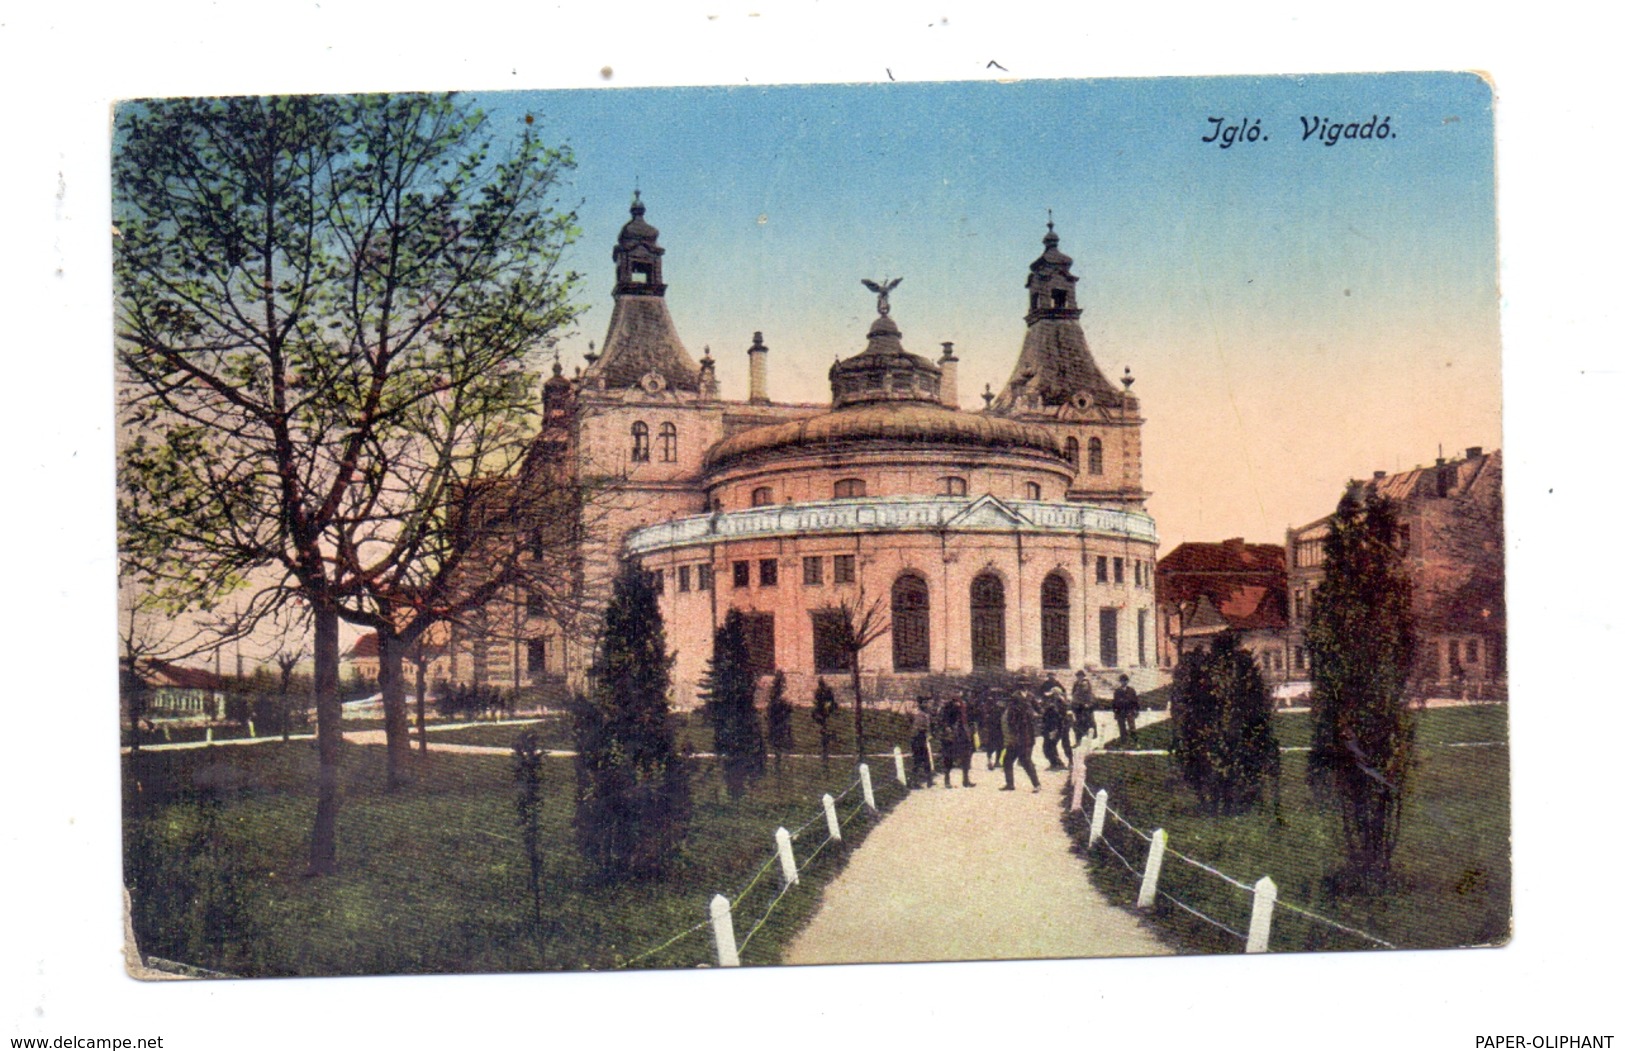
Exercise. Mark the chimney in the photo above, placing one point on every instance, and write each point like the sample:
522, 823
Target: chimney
758, 370
709, 390
1379, 475
950, 376
1474, 452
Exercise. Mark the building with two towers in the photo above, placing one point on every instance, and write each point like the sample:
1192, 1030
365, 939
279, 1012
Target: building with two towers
1012, 537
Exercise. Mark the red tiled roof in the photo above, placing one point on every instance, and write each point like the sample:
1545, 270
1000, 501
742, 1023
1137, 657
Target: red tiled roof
156, 672
1245, 583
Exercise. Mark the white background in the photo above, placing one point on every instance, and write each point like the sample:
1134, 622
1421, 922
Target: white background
1559, 129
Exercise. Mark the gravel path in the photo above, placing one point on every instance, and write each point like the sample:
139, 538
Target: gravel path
977, 874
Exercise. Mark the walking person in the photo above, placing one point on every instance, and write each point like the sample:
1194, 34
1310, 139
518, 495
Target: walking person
992, 728
1125, 707
953, 735
1056, 735
1083, 707
1019, 736
920, 772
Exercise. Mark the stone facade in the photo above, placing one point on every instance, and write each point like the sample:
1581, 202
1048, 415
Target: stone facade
1014, 537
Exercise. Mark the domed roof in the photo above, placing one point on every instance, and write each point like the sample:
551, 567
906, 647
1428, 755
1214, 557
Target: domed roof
909, 423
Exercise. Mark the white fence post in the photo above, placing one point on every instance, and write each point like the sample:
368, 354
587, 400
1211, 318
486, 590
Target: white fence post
208, 735
868, 786
1097, 820
722, 927
897, 758
1153, 869
830, 819
1258, 932
251, 732
787, 856
1080, 773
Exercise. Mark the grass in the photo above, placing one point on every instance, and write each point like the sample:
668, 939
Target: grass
883, 728
1453, 883
1466, 723
433, 876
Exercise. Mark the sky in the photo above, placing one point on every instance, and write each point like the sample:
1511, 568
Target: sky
1295, 313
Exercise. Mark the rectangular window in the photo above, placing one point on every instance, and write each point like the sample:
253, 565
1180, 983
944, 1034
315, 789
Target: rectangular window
1472, 651
657, 580
1455, 653
1138, 569
536, 656
845, 569
1141, 637
704, 581
829, 649
1108, 638
812, 571
1117, 570
1100, 569
768, 573
1297, 658
741, 574
759, 653
683, 576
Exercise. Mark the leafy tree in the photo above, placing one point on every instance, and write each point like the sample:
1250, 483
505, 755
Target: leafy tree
729, 690
323, 307
632, 798
527, 775
823, 710
1223, 740
1361, 641
781, 734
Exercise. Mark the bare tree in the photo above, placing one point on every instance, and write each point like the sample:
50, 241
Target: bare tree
857, 622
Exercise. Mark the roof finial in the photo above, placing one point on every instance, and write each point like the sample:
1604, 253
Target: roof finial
1051, 223
637, 199
883, 289
558, 365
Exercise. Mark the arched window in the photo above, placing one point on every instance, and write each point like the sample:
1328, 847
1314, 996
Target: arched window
987, 622
761, 496
1097, 457
1034, 491
640, 442
1072, 451
668, 442
953, 486
850, 488
910, 624
1054, 601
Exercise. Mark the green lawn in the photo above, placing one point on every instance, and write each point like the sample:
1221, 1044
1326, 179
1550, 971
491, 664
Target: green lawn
1454, 865
1477, 722
883, 728
433, 876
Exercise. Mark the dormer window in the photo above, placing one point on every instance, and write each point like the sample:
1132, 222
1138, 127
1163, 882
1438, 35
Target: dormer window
1034, 491
850, 489
761, 496
953, 486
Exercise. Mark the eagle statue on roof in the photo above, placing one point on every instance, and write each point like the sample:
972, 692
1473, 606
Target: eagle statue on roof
883, 290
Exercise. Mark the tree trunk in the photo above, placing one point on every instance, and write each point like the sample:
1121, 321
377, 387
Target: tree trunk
857, 709
423, 695
329, 742
397, 729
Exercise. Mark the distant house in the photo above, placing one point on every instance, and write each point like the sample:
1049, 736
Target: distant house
173, 690
363, 657
1453, 541
1207, 589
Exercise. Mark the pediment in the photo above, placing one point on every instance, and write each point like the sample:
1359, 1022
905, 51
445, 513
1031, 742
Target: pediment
988, 512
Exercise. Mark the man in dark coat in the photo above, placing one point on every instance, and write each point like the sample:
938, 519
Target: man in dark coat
1083, 707
1125, 707
992, 728
953, 738
1018, 740
920, 773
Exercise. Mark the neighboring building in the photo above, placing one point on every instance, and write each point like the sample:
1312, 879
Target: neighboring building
1453, 540
1014, 537
1207, 589
363, 657
173, 690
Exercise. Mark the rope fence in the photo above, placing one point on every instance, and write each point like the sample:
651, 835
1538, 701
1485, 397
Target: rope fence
1263, 893
723, 908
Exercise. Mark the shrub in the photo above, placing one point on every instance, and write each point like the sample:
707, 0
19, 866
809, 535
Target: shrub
1222, 737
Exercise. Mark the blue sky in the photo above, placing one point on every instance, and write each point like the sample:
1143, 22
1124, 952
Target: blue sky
1296, 313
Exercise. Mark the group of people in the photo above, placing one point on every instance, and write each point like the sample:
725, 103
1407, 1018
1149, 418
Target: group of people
1006, 725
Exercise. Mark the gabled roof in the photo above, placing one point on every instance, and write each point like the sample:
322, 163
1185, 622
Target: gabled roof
155, 672
1245, 584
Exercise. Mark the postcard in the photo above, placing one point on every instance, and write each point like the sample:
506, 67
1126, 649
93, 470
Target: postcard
640, 529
